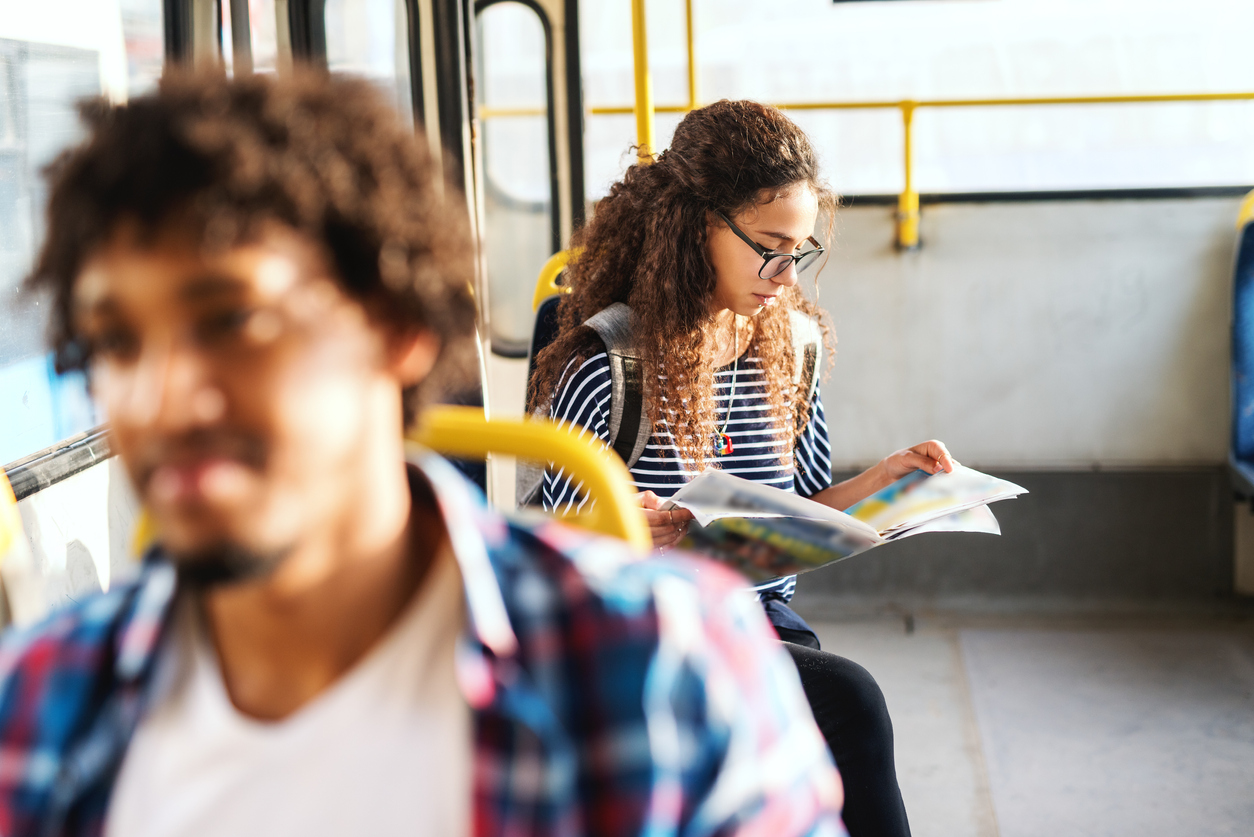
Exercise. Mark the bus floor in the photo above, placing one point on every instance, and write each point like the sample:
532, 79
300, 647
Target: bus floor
1019, 726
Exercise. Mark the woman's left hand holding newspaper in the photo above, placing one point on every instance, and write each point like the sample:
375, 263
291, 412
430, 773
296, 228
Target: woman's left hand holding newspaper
667, 527
931, 456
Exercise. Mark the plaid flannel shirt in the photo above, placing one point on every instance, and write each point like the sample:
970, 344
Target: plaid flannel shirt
610, 696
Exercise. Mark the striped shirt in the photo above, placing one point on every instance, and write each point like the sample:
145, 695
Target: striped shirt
764, 446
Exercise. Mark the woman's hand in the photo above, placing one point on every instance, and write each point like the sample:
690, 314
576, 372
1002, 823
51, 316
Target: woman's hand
666, 527
931, 456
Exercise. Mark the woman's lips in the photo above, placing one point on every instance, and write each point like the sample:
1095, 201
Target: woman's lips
764, 299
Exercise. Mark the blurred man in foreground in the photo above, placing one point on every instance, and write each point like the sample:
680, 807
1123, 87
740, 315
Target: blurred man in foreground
329, 638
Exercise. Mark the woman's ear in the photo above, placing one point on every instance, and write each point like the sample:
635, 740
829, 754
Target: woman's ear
412, 356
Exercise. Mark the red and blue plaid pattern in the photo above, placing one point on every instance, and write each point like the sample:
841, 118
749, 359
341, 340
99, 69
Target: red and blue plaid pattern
611, 695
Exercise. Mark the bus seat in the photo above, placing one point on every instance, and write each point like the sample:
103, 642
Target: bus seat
463, 431
547, 284
549, 290
542, 333
1241, 454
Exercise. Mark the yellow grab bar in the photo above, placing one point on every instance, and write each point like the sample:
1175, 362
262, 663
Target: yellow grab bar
1246, 213
546, 285
463, 431
10, 521
644, 84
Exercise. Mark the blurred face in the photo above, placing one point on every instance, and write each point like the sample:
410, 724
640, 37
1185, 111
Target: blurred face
782, 225
248, 396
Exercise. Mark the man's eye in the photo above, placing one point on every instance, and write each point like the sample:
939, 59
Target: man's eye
114, 344
223, 324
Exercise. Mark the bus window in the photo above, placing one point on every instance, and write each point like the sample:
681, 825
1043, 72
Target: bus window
262, 35
514, 93
370, 38
49, 59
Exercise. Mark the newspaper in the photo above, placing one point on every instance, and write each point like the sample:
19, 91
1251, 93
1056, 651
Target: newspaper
765, 532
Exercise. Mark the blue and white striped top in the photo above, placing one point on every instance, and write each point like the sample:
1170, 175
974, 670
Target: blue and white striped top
764, 447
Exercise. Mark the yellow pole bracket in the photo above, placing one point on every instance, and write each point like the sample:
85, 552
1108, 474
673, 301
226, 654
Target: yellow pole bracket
463, 431
908, 200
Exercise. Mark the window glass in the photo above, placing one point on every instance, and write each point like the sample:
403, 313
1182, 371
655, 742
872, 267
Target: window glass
371, 38
513, 102
50, 57
952, 50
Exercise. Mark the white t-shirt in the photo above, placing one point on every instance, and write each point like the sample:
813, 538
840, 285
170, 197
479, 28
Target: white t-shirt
385, 750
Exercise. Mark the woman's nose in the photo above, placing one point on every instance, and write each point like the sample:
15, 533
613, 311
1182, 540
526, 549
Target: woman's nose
788, 277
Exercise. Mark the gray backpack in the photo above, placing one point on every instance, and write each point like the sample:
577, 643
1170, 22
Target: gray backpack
629, 418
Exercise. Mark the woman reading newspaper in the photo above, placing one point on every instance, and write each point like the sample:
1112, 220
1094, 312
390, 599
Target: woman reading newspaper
705, 246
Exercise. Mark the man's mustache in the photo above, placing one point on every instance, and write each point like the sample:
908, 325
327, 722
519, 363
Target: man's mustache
245, 448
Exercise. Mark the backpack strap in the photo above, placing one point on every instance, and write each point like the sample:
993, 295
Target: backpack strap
629, 425
807, 348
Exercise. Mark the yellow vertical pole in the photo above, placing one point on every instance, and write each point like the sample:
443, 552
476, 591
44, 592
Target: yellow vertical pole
692, 59
644, 83
908, 200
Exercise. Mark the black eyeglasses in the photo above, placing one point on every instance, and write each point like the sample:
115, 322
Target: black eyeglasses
773, 264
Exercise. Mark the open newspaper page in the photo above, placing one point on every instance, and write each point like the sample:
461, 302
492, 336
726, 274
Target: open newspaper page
765, 532
920, 498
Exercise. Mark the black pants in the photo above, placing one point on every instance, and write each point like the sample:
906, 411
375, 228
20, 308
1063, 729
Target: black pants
850, 710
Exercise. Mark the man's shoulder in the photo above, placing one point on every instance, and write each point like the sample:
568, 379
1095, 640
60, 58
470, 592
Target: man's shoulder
621, 646
572, 595
607, 574
48, 666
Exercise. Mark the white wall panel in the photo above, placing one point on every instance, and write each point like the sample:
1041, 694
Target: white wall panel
1050, 334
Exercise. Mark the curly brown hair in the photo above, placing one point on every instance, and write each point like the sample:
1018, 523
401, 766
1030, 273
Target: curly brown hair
323, 155
646, 247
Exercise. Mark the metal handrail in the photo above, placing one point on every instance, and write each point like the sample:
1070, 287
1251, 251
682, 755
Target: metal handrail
908, 199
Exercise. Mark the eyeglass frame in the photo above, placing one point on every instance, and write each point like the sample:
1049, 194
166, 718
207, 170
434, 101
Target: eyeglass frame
767, 255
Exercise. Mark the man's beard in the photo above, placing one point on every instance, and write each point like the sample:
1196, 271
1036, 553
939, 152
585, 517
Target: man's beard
225, 564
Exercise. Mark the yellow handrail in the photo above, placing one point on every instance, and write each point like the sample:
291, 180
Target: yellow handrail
546, 284
908, 200
463, 431
872, 104
10, 520
644, 83
1245, 214
692, 57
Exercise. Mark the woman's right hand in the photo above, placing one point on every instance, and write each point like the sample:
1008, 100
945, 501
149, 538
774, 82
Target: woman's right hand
667, 527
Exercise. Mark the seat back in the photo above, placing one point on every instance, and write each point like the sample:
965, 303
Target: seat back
1241, 453
549, 290
542, 333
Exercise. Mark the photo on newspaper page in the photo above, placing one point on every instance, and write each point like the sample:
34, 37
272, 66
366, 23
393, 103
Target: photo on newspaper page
765, 532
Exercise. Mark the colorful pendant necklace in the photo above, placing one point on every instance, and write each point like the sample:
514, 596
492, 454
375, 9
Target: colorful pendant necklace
723, 442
